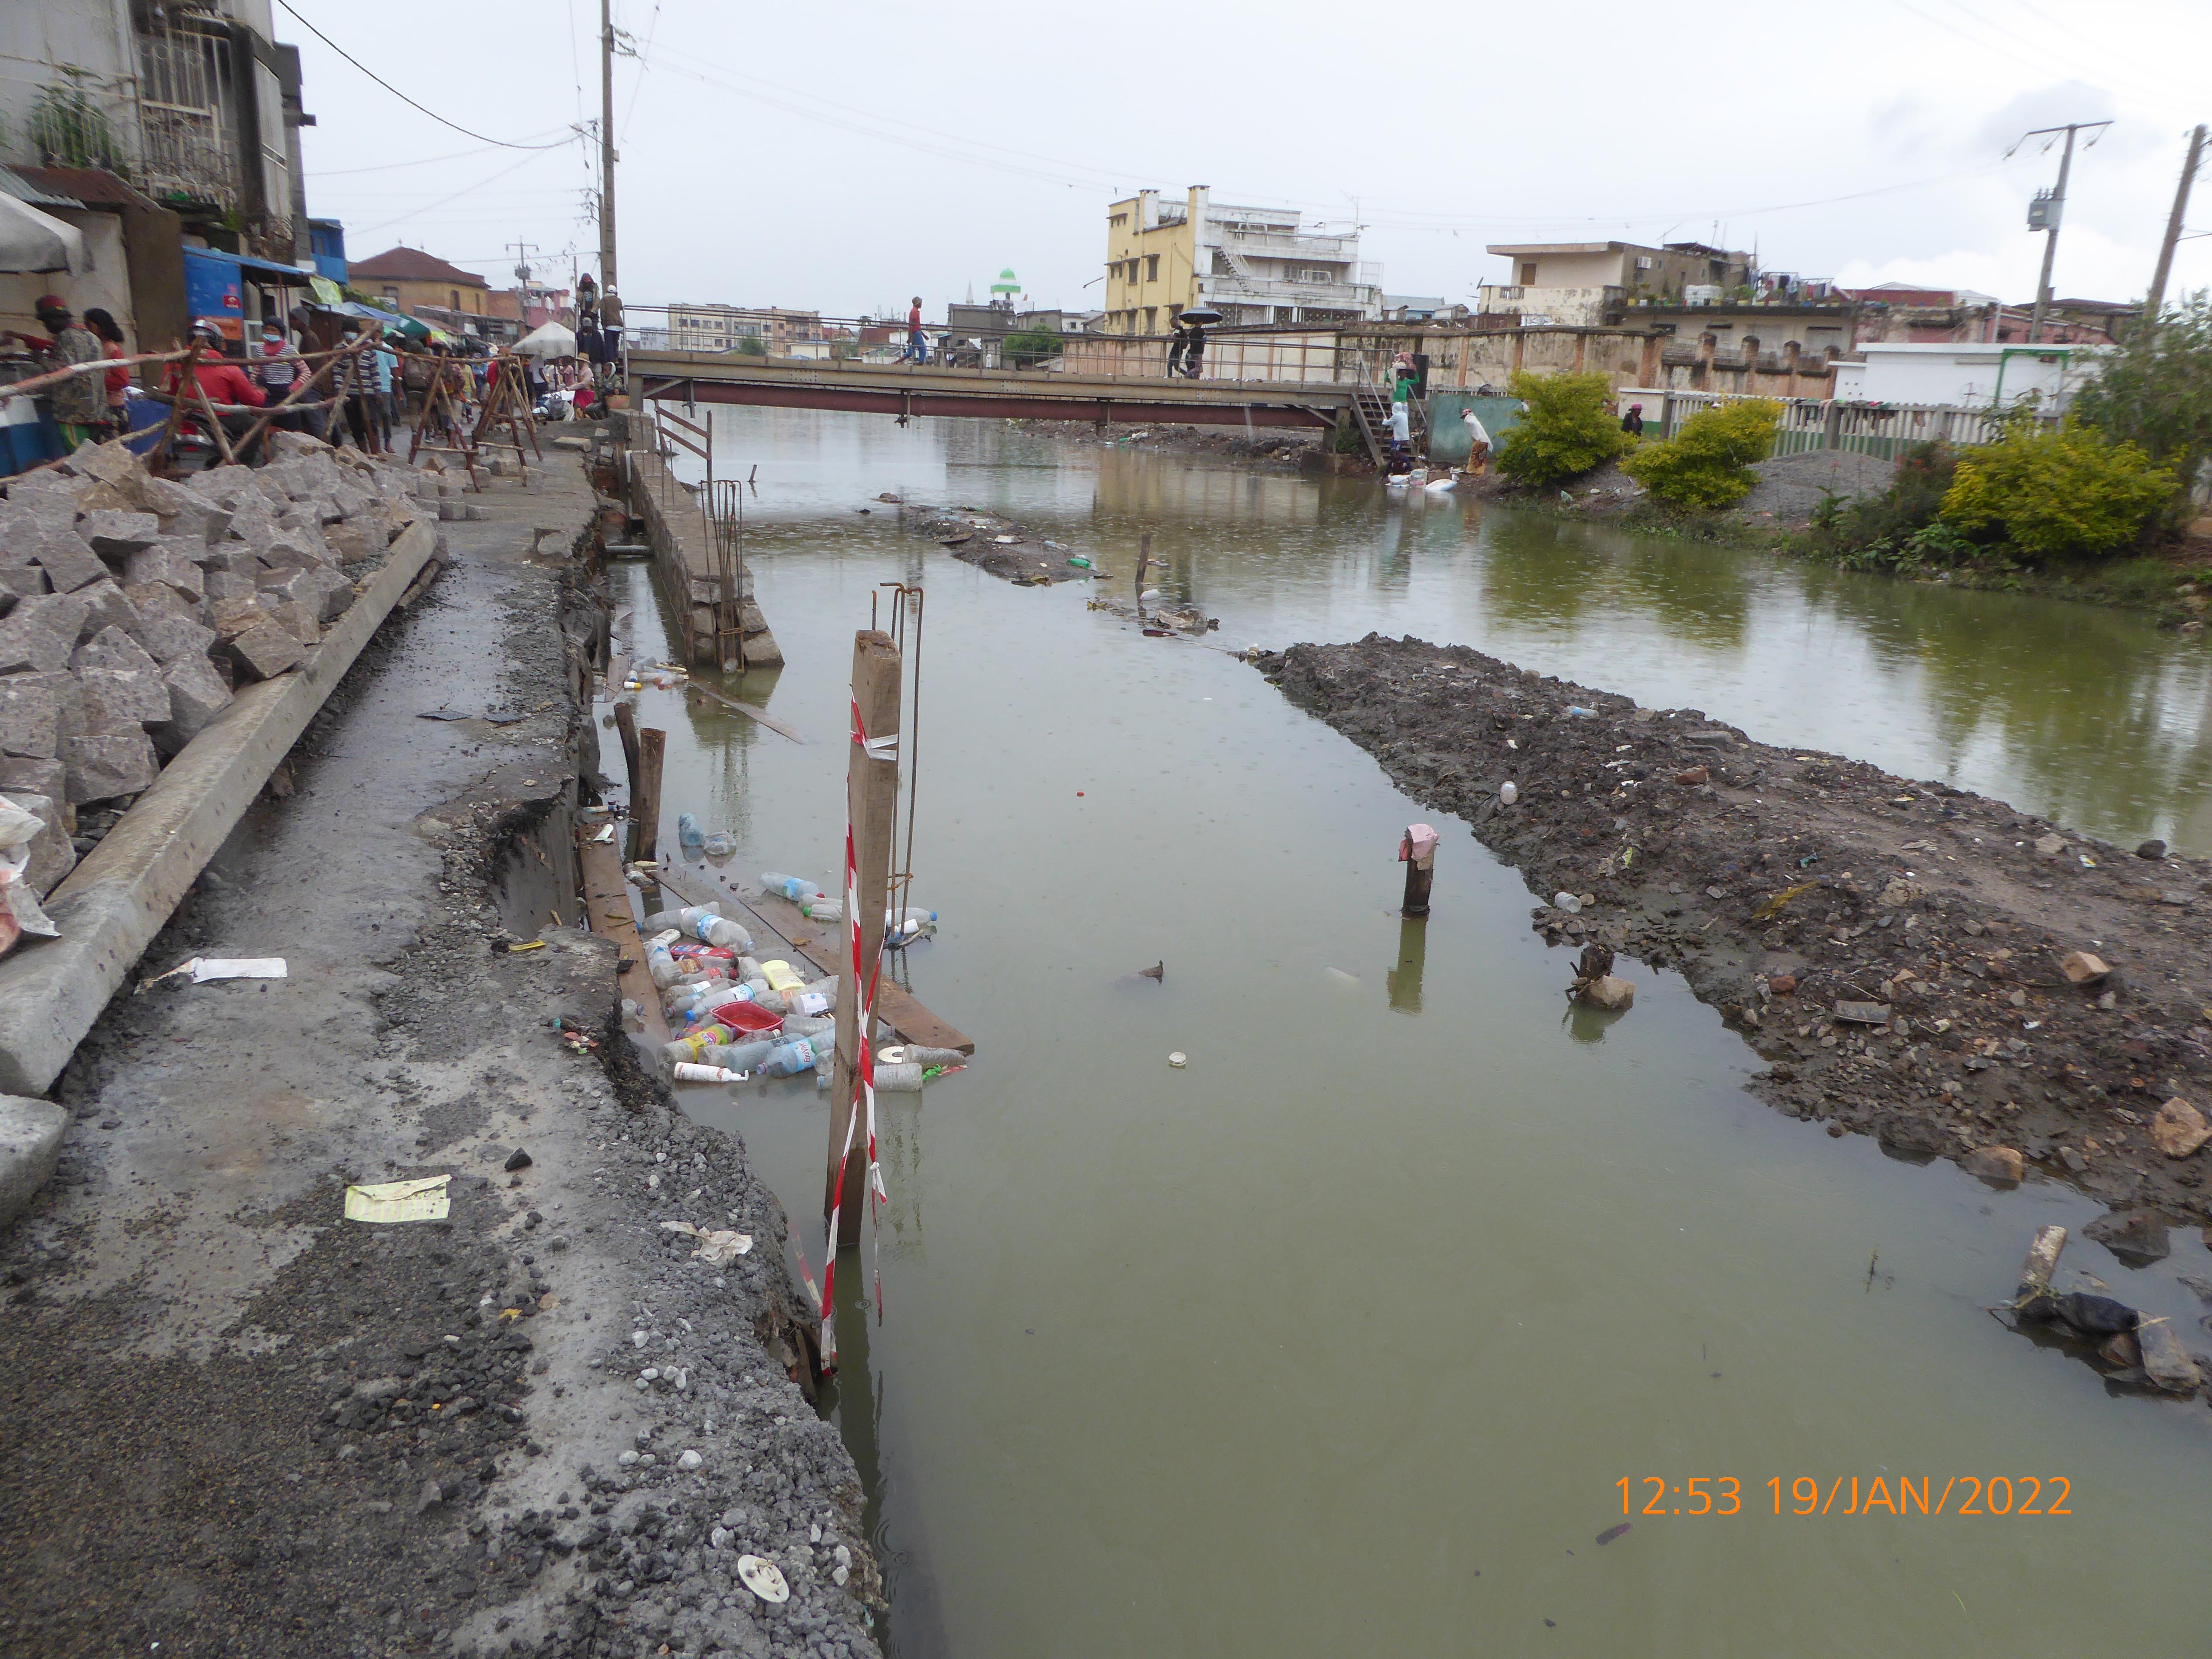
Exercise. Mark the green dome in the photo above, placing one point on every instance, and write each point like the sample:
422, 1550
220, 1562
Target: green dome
1007, 283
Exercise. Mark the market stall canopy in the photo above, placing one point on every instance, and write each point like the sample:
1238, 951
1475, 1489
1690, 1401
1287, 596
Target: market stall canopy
33, 241
406, 325
547, 340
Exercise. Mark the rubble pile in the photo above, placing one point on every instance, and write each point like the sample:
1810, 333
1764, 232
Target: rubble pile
133, 608
1932, 967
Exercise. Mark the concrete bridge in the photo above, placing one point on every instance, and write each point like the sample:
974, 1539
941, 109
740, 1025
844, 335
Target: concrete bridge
906, 390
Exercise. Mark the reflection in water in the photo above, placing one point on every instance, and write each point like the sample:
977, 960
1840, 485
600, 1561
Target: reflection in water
1412, 953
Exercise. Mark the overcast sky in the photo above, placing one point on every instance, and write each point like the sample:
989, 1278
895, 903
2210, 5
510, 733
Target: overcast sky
849, 157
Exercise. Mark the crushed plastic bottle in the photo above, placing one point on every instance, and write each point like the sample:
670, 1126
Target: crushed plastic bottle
719, 846
797, 889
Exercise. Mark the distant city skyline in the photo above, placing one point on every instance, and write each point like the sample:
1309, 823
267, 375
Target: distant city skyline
1864, 155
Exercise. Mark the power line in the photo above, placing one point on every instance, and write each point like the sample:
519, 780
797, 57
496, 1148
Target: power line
430, 207
424, 161
480, 137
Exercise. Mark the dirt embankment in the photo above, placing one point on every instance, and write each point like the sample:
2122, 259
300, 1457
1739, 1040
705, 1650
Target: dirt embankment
1302, 451
1788, 886
992, 541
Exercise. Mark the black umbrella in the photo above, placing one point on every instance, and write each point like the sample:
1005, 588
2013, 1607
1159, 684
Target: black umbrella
1200, 314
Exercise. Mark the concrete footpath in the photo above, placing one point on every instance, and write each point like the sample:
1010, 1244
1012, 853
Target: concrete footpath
240, 1424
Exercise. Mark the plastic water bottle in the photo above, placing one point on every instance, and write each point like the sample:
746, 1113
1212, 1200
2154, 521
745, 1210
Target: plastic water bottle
719, 846
664, 968
680, 920
913, 1054
807, 1026
740, 1056
797, 889
688, 833
809, 1002
1567, 901
823, 907
790, 1059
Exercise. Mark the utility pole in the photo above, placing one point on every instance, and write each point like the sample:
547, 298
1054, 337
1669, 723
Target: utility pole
2048, 208
606, 145
522, 252
2156, 298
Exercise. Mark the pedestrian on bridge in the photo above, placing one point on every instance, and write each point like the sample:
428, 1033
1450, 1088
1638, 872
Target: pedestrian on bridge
1177, 345
917, 347
1194, 350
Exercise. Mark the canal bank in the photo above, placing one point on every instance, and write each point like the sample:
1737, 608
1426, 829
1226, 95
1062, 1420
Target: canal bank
1124, 1340
532, 1419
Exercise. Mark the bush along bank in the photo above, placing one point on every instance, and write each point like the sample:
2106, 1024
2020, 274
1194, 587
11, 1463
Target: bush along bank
2068, 514
1904, 955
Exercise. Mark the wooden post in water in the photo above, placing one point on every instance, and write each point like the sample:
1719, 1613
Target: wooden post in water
1418, 848
645, 802
871, 806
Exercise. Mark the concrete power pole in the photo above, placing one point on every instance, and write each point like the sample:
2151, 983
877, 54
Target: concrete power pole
2045, 213
606, 145
2156, 298
871, 806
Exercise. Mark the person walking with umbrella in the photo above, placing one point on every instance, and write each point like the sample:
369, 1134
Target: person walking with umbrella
1194, 319
1178, 344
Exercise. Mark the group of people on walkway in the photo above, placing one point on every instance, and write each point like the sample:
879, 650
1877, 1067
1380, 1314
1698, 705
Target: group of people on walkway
86, 408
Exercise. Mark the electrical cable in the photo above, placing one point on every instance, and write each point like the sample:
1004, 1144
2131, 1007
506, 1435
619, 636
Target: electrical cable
466, 190
480, 137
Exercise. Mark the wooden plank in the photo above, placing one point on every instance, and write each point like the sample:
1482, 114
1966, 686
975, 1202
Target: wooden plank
745, 708
617, 671
896, 1007
607, 907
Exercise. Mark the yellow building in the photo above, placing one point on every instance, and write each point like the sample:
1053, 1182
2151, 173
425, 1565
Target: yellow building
1152, 271
1252, 264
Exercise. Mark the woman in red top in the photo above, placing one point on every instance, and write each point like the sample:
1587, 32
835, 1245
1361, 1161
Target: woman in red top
103, 325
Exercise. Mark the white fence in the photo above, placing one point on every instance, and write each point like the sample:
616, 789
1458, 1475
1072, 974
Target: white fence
1810, 423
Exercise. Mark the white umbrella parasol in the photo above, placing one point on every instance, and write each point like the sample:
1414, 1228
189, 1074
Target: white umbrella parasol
547, 340
33, 241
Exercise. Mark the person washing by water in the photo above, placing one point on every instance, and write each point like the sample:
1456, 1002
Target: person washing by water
1478, 444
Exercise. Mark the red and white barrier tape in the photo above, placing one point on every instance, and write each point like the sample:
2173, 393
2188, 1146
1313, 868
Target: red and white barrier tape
865, 982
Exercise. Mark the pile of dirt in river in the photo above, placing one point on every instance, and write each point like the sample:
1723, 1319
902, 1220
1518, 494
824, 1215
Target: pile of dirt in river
993, 541
1894, 949
1303, 450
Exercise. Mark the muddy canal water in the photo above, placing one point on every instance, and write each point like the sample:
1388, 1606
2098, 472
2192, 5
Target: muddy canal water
1343, 1339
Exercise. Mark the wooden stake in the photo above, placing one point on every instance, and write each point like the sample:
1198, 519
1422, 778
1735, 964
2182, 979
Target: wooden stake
645, 804
871, 806
626, 724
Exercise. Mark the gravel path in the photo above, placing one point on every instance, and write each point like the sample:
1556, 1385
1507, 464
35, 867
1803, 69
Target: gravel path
239, 1424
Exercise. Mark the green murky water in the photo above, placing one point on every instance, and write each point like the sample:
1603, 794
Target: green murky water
1341, 1339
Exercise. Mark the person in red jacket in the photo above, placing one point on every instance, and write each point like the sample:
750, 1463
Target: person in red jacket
222, 381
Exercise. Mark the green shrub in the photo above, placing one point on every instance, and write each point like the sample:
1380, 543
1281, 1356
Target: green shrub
1876, 528
2156, 391
2068, 494
1708, 462
1563, 432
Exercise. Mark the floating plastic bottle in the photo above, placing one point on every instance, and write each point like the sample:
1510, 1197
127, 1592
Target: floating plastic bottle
741, 1056
783, 976
664, 968
704, 922
687, 832
719, 846
913, 1054
797, 889
801, 1055
692, 1072
808, 1002
823, 907
807, 1026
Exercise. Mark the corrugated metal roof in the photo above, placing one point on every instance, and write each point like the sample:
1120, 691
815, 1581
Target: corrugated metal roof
16, 185
94, 187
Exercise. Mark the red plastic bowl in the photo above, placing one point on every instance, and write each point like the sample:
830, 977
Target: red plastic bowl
747, 1017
